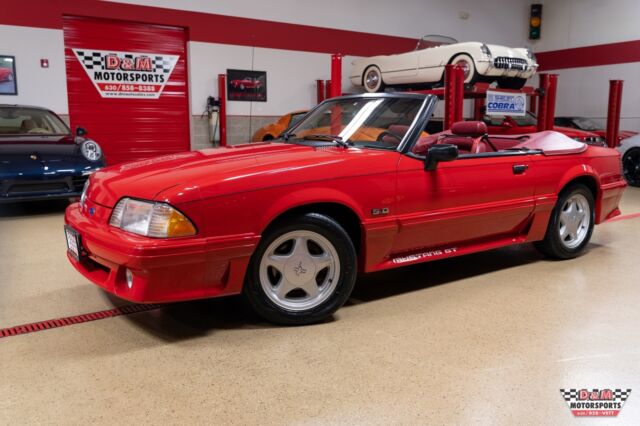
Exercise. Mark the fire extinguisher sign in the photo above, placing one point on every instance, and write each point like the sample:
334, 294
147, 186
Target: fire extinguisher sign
127, 74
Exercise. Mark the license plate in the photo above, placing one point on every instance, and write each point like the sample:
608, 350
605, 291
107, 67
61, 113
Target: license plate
73, 242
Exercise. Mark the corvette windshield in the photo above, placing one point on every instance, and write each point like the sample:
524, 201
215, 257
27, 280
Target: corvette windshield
434, 40
30, 121
366, 122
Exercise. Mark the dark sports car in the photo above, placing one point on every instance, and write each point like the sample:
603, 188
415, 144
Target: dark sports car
590, 125
40, 158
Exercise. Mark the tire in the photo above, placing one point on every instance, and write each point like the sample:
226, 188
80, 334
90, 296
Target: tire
372, 79
267, 138
311, 244
471, 75
511, 83
631, 167
559, 241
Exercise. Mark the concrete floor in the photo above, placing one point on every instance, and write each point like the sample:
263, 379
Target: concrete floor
484, 339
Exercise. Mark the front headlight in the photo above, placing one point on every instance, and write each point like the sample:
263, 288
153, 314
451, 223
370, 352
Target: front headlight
486, 51
83, 197
531, 56
151, 219
91, 150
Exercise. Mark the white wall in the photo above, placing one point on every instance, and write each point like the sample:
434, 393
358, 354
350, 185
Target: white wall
578, 23
492, 21
45, 87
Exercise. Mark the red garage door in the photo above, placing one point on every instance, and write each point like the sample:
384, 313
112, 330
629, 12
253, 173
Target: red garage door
127, 85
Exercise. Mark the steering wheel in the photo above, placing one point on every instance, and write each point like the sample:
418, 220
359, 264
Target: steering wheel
388, 133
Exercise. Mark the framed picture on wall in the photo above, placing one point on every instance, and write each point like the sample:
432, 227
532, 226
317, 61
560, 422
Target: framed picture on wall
244, 85
8, 84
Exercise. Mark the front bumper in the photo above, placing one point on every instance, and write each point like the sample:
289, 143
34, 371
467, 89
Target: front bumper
493, 69
164, 270
15, 190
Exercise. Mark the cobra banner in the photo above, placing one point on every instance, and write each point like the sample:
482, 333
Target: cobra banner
127, 74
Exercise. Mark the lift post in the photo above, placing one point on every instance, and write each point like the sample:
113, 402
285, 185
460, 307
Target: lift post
336, 75
320, 90
222, 94
543, 89
551, 101
613, 112
453, 95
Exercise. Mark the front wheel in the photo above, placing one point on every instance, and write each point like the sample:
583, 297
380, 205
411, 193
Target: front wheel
468, 68
631, 166
513, 83
372, 79
302, 271
571, 224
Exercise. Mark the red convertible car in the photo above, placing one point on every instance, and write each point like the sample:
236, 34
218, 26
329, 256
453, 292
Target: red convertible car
6, 74
246, 83
289, 223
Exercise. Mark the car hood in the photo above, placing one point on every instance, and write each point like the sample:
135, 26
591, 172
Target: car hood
21, 154
509, 52
189, 176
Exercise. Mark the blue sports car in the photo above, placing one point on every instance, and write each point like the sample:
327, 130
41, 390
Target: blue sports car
40, 158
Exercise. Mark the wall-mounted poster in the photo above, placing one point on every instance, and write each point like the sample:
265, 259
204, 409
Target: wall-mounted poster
8, 84
245, 85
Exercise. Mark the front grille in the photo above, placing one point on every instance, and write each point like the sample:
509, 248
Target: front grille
78, 182
26, 188
510, 63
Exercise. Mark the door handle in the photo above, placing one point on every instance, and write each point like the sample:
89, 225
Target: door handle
519, 169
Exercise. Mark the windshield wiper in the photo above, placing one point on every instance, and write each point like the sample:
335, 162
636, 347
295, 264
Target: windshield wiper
333, 138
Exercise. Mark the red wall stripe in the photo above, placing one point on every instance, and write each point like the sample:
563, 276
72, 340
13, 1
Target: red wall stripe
207, 27
590, 56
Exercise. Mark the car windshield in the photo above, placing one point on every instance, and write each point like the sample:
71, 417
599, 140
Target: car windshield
586, 124
433, 40
369, 122
527, 120
30, 121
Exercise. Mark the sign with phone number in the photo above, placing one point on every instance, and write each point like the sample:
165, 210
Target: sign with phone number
506, 103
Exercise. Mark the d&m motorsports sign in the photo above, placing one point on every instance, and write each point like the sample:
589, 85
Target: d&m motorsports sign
127, 74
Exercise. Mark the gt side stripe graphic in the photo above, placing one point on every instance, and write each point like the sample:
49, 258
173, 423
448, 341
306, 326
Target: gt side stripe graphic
76, 319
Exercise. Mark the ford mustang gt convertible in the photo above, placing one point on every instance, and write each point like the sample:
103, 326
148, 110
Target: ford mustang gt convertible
289, 223
424, 66
40, 158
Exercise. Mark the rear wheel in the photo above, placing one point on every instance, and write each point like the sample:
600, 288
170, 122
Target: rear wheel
302, 271
631, 166
513, 83
372, 79
571, 224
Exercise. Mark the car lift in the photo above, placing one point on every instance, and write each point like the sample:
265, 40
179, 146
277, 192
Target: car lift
455, 92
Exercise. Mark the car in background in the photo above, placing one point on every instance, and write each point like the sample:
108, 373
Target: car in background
246, 83
630, 154
517, 125
590, 125
291, 222
273, 130
424, 66
6, 74
40, 158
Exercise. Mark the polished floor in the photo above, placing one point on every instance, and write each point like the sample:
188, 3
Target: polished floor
483, 339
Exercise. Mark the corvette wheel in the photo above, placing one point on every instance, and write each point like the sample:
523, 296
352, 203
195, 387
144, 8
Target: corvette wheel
571, 224
468, 68
631, 166
302, 271
372, 80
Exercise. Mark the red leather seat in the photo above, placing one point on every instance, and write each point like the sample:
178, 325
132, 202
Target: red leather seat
397, 129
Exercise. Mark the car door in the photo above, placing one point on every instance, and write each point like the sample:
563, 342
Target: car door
401, 68
474, 198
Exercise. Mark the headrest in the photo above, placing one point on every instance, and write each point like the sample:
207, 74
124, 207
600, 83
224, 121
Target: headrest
473, 129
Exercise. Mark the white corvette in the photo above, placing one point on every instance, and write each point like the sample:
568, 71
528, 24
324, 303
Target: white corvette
424, 66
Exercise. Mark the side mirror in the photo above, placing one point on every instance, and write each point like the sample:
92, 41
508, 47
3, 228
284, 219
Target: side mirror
81, 131
438, 153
